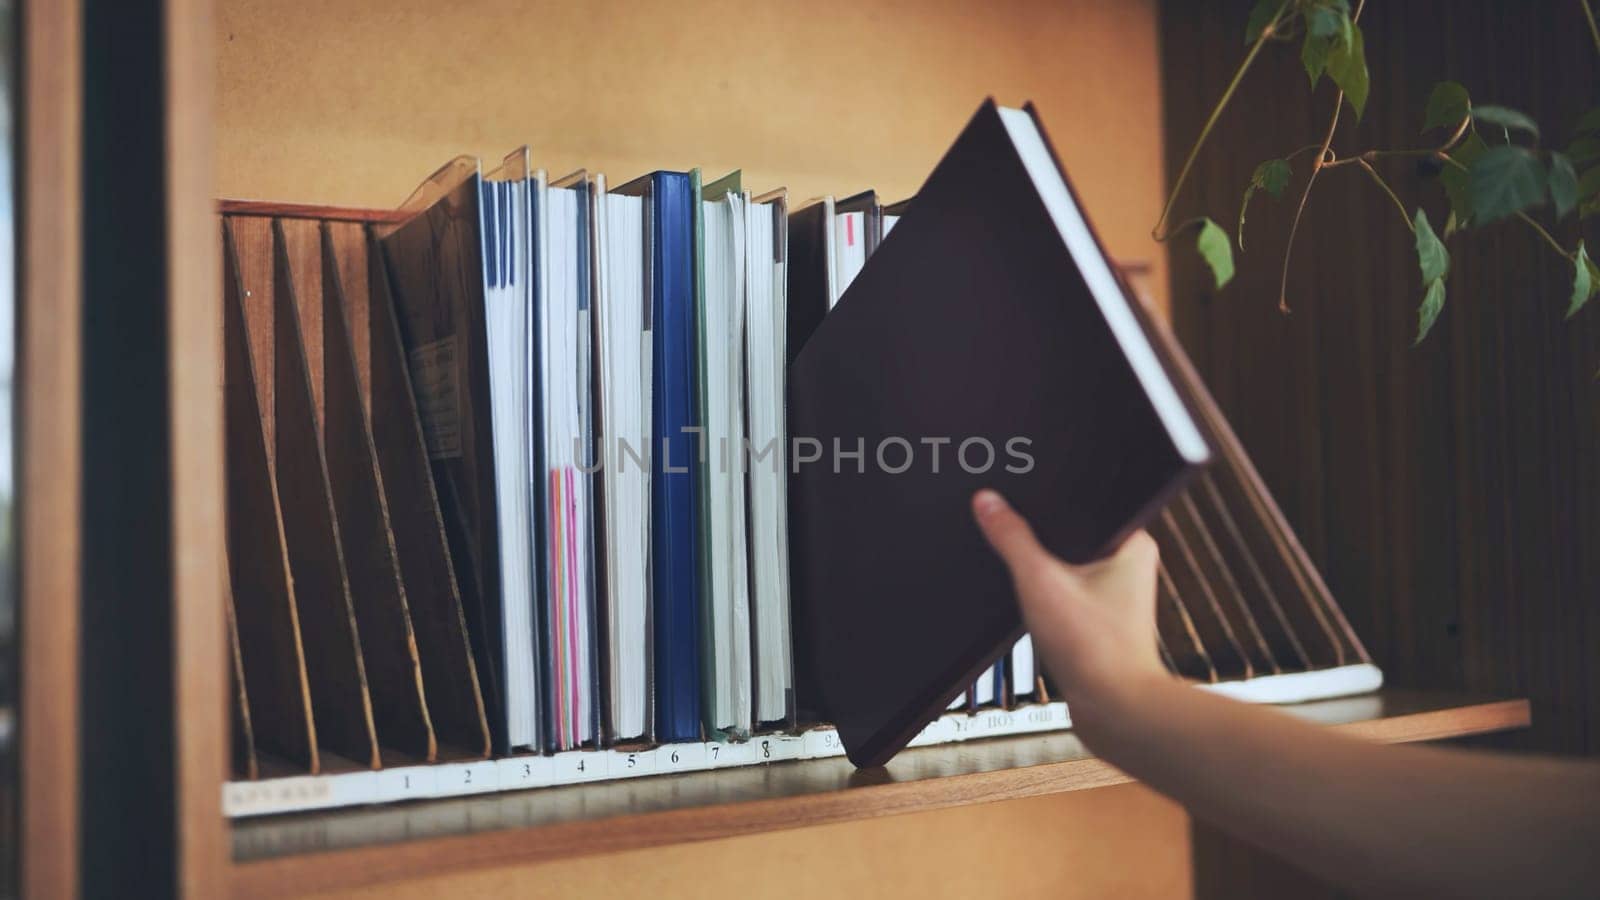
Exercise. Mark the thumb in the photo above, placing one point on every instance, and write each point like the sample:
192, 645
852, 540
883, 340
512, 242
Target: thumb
1008, 533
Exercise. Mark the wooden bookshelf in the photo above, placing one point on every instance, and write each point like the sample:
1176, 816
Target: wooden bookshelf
343, 849
179, 763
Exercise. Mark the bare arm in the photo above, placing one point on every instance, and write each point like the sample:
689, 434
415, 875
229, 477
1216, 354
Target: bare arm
1382, 819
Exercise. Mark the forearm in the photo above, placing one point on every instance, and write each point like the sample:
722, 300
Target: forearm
1388, 819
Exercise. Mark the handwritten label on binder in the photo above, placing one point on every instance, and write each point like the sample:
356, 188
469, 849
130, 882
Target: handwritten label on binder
433, 378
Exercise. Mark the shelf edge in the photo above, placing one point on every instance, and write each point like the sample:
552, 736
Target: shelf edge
334, 870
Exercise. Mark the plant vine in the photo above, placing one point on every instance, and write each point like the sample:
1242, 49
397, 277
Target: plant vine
1485, 179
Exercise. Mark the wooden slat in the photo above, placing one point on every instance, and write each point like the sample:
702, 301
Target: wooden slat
600, 818
272, 654
48, 448
340, 699
273, 209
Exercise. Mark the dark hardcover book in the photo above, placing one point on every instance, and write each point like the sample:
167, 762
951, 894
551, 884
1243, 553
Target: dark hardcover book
810, 261
675, 527
989, 344
435, 267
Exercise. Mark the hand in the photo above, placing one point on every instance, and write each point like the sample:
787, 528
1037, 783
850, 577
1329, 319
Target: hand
1092, 625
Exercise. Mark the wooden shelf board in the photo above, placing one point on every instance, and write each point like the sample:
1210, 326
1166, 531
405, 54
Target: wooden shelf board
295, 853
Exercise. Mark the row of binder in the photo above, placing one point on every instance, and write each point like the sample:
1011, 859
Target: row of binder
371, 625
509, 493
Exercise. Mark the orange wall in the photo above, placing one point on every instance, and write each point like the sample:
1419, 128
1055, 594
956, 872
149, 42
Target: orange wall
353, 103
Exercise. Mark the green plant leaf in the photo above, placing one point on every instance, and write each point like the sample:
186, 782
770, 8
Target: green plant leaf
1325, 22
1261, 15
1505, 117
1447, 106
1589, 122
1347, 66
1314, 56
1563, 184
1505, 180
1428, 312
1432, 257
1589, 184
1217, 251
1583, 282
1450, 225
1457, 183
1271, 176
1588, 208
1583, 150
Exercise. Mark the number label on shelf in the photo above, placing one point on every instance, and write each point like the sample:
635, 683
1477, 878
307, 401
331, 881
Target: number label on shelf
680, 757
820, 742
454, 779
517, 772
720, 756
580, 765
407, 783
631, 763
777, 747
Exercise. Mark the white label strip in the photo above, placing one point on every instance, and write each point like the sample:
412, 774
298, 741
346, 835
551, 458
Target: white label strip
297, 793
308, 792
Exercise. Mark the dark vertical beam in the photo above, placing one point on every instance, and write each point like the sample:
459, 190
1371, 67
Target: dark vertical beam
127, 772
